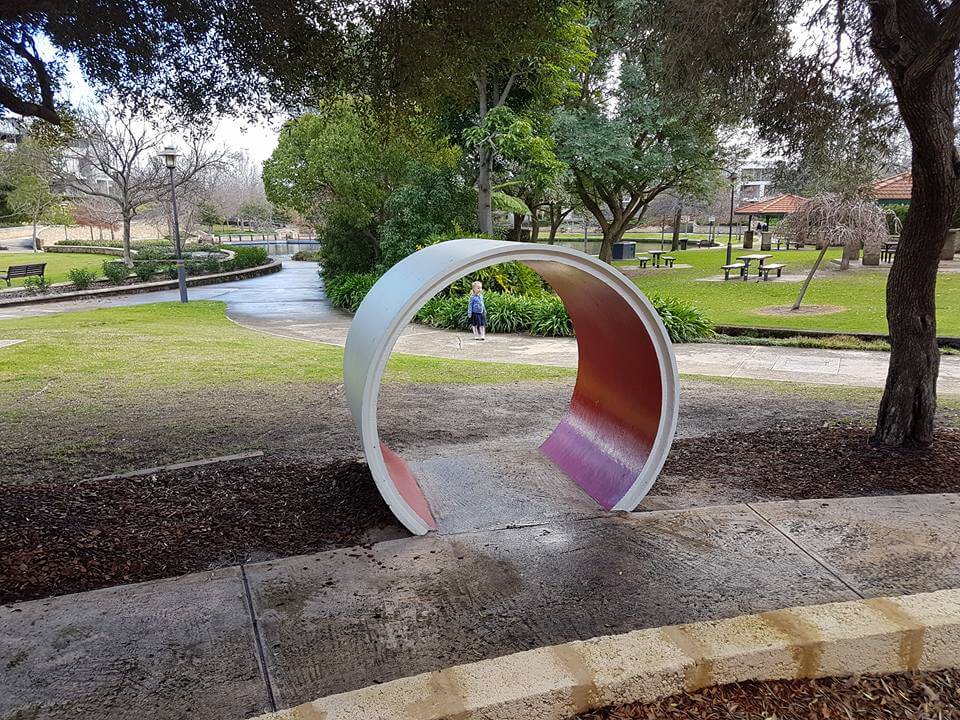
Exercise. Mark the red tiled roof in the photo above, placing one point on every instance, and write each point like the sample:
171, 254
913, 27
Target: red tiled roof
895, 187
779, 205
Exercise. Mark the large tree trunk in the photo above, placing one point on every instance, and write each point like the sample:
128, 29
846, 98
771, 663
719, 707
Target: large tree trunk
484, 198
534, 225
675, 238
127, 255
906, 416
36, 245
517, 227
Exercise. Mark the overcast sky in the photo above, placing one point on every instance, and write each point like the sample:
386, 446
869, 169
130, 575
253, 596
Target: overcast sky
256, 139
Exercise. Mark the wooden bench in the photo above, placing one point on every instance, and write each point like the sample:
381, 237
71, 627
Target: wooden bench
22, 271
765, 270
668, 260
643, 259
734, 266
788, 243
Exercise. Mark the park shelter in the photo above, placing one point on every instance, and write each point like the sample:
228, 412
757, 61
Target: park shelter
778, 206
892, 190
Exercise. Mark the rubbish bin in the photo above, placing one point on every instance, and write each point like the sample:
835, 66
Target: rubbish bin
624, 250
748, 239
766, 240
683, 243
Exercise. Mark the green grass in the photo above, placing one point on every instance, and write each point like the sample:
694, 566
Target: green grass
144, 348
58, 264
860, 293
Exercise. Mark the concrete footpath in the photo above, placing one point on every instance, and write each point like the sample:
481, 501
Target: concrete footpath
236, 642
292, 304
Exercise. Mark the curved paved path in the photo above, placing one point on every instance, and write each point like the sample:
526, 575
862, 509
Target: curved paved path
291, 304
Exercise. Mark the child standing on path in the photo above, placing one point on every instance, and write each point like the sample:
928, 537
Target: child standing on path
477, 312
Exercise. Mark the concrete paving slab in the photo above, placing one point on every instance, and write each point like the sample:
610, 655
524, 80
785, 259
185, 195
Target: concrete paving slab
343, 619
528, 489
180, 648
882, 545
9, 343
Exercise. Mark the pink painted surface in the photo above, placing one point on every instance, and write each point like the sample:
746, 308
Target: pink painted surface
604, 438
407, 485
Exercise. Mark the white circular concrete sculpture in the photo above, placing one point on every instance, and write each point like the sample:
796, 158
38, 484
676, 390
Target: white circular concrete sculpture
613, 439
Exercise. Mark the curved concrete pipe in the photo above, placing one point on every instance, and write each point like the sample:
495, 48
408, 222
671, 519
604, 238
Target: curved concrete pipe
612, 440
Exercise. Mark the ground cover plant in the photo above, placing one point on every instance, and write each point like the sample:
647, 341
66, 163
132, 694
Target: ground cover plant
58, 267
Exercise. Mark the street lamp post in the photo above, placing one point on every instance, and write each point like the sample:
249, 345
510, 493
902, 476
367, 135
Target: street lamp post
733, 187
169, 155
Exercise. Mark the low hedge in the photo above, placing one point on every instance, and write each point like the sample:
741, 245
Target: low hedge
541, 314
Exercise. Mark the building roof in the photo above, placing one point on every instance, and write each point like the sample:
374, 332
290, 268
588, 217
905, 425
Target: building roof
777, 205
895, 187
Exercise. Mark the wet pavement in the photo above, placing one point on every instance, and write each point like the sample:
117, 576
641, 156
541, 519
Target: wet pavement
239, 641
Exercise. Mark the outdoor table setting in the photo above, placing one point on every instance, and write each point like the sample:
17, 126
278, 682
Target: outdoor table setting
747, 259
656, 256
888, 250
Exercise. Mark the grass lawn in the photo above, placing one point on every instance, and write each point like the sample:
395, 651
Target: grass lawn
138, 348
58, 264
861, 293
647, 237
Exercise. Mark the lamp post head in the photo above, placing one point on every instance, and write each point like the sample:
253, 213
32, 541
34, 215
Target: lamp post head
733, 177
169, 155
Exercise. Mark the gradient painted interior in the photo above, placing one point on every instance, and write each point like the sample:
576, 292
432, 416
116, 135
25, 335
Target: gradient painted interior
604, 439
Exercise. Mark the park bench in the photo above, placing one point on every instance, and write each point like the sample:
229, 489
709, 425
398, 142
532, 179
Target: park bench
668, 260
734, 266
643, 259
765, 270
21, 271
788, 243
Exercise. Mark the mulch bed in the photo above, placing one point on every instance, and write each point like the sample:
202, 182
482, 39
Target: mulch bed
914, 696
63, 538
810, 462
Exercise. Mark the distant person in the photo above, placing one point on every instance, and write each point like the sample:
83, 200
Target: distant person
477, 312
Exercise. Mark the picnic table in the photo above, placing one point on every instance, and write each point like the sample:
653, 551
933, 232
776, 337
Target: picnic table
888, 250
656, 256
747, 259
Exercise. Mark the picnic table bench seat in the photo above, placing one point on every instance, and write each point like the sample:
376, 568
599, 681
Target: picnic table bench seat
734, 266
765, 270
22, 271
643, 259
668, 260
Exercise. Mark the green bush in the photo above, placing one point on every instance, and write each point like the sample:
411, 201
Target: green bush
513, 277
540, 314
169, 270
307, 255
684, 321
246, 257
115, 271
348, 291
81, 277
34, 284
145, 270
550, 318
205, 266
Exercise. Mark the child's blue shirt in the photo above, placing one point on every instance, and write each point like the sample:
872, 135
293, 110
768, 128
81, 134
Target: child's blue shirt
476, 305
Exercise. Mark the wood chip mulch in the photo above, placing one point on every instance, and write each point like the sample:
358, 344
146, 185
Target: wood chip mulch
810, 462
64, 538
913, 696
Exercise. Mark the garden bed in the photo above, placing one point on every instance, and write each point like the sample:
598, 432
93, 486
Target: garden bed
913, 696
60, 538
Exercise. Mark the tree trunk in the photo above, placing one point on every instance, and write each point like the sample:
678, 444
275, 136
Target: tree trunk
534, 225
813, 271
127, 255
484, 200
517, 227
612, 233
908, 406
675, 239
36, 246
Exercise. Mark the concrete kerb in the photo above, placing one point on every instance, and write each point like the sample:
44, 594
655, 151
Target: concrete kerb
876, 636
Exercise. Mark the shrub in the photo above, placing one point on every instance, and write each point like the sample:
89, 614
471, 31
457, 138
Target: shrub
81, 277
169, 270
347, 291
36, 284
115, 271
512, 277
506, 313
202, 267
684, 322
307, 255
550, 318
144, 270
246, 257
